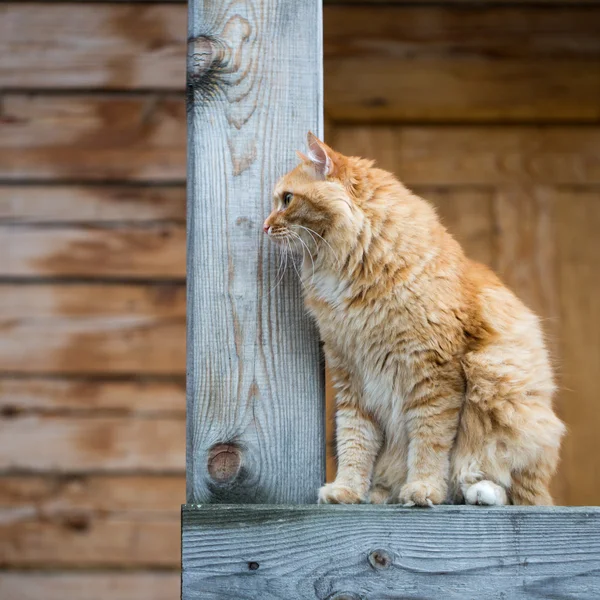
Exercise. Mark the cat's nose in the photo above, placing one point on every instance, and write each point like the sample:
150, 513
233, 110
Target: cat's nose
266, 227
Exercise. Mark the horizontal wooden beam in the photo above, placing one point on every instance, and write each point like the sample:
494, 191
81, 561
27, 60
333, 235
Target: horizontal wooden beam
93, 137
95, 585
44, 203
93, 396
89, 521
373, 552
95, 328
99, 444
123, 252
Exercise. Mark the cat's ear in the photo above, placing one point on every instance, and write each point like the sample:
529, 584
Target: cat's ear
320, 155
303, 158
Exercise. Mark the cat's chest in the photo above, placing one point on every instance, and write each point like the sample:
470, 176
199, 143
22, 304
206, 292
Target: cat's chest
374, 338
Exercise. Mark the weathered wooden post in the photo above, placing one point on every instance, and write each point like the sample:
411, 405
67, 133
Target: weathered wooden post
255, 384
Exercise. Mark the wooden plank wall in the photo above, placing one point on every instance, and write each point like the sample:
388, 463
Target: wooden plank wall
492, 112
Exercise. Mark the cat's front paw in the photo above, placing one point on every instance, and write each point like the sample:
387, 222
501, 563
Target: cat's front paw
422, 493
338, 493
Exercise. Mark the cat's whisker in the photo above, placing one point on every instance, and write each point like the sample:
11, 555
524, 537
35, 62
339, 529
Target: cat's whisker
312, 237
279, 274
295, 267
285, 255
311, 231
309, 254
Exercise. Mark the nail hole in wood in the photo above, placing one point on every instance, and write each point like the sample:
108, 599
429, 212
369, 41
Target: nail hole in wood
253, 566
224, 462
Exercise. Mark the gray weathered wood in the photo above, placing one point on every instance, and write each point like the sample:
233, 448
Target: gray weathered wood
255, 384
446, 553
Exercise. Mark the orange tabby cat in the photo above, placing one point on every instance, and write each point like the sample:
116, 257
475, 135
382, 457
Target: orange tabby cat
444, 385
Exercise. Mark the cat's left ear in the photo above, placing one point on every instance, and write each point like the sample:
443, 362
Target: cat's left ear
320, 155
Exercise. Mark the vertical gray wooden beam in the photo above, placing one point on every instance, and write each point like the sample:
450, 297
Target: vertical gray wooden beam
255, 421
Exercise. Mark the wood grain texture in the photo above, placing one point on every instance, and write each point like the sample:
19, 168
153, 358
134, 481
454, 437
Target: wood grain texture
93, 137
96, 585
73, 521
92, 396
100, 443
124, 251
37, 204
448, 552
482, 156
476, 64
117, 47
82, 542
254, 373
142, 497
84, 329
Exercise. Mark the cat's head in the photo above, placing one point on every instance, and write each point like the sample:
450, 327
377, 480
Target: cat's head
320, 198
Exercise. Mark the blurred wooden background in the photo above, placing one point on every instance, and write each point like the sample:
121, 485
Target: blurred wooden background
492, 112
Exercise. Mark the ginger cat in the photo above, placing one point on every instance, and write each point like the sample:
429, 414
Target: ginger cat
444, 384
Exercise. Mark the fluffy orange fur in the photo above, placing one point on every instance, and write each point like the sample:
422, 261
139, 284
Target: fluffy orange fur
443, 382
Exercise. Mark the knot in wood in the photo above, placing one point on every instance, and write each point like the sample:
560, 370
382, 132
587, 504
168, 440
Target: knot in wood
224, 461
204, 53
379, 559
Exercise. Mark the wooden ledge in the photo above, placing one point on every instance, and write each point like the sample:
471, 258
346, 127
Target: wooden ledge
370, 552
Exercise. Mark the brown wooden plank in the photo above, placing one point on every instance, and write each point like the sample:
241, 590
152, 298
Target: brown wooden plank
485, 156
116, 542
84, 137
92, 203
140, 496
97, 585
92, 46
474, 64
578, 250
125, 251
103, 329
79, 444
485, 30
85, 396
435, 90
71, 513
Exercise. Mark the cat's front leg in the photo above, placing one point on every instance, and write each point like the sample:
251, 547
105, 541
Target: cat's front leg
358, 443
431, 421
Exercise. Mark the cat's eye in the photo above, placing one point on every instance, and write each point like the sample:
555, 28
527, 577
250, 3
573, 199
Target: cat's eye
286, 199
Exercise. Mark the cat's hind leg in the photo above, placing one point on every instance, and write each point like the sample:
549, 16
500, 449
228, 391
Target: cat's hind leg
475, 480
486, 493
